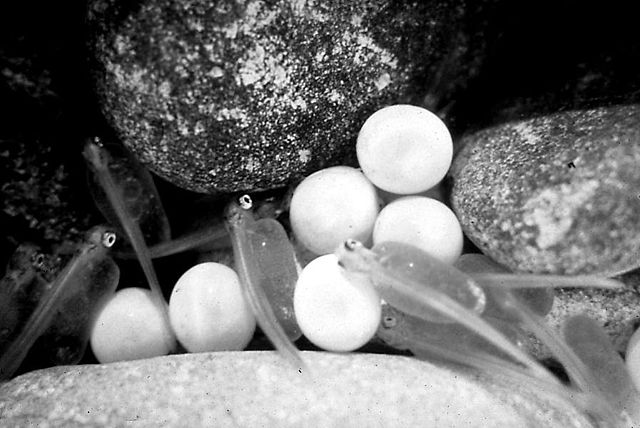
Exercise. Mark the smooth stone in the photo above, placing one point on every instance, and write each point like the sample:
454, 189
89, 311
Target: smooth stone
223, 96
556, 193
258, 389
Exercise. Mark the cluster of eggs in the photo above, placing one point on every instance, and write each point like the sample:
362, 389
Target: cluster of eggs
404, 152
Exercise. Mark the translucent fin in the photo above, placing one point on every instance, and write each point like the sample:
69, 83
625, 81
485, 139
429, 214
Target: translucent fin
592, 345
415, 298
578, 372
498, 368
100, 160
247, 243
90, 263
545, 281
215, 235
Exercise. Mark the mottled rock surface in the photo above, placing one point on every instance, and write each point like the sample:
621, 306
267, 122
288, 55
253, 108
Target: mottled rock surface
556, 193
617, 311
239, 95
257, 389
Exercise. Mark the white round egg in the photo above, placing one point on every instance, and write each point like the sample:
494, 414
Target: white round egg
632, 358
208, 311
131, 326
422, 222
404, 149
332, 205
337, 311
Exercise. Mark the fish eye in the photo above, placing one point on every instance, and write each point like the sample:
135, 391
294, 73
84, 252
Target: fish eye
108, 239
98, 141
39, 260
389, 321
245, 202
350, 244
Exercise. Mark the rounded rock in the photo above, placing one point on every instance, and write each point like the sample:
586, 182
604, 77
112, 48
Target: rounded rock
556, 193
257, 389
224, 96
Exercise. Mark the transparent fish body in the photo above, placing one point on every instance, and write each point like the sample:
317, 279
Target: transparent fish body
528, 311
20, 290
413, 296
87, 280
135, 186
211, 236
586, 354
403, 331
611, 379
265, 263
420, 266
128, 214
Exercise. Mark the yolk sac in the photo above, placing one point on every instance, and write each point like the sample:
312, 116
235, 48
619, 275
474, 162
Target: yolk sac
539, 300
135, 187
86, 282
420, 266
265, 263
128, 214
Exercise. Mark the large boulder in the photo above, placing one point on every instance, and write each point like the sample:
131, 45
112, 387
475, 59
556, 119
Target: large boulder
220, 96
259, 389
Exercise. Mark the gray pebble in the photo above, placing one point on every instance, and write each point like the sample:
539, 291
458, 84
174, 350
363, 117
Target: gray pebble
557, 193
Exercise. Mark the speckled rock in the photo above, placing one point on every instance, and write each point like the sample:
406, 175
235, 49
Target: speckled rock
243, 95
555, 193
257, 389
618, 312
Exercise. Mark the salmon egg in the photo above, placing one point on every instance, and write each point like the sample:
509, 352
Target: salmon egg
336, 310
332, 205
131, 326
633, 358
208, 311
422, 222
404, 149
